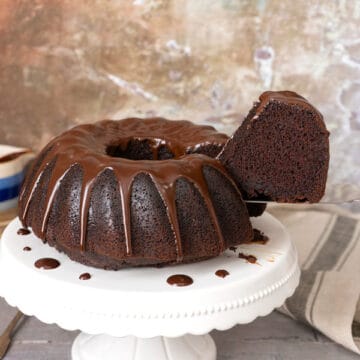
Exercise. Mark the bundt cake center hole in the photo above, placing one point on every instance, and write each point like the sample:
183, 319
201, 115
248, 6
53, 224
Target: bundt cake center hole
115, 151
137, 149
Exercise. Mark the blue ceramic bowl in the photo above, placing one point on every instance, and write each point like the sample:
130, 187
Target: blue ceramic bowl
13, 164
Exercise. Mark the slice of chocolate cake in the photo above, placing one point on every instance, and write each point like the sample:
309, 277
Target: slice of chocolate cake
281, 150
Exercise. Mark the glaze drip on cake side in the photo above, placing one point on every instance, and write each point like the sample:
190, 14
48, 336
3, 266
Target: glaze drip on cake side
87, 146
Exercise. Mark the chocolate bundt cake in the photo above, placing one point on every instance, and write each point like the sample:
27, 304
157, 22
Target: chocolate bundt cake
281, 150
134, 192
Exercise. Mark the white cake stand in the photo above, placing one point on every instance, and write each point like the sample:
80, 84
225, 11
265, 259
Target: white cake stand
134, 313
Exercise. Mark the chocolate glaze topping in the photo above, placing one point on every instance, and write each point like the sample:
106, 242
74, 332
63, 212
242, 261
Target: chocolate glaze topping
250, 258
47, 263
12, 156
222, 273
27, 248
23, 231
288, 97
85, 276
87, 146
180, 280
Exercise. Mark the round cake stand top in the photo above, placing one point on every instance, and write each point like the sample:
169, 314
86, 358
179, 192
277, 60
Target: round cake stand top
139, 301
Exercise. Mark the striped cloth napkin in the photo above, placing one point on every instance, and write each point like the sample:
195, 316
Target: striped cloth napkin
328, 243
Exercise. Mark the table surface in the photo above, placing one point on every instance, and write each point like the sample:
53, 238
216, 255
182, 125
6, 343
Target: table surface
274, 337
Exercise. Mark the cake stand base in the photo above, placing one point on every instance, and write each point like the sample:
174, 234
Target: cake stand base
140, 314
105, 347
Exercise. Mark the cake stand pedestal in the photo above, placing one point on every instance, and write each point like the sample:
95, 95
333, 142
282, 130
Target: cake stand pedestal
134, 313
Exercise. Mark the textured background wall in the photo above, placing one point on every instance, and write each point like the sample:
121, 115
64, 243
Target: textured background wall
68, 62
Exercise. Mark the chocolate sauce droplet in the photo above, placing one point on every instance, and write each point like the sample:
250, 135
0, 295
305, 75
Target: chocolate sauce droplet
47, 264
85, 276
27, 248
222, 273
259, 237
23, 231
250, 258
180, 280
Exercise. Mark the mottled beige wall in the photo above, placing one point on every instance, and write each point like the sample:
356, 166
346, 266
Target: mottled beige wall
68, 62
